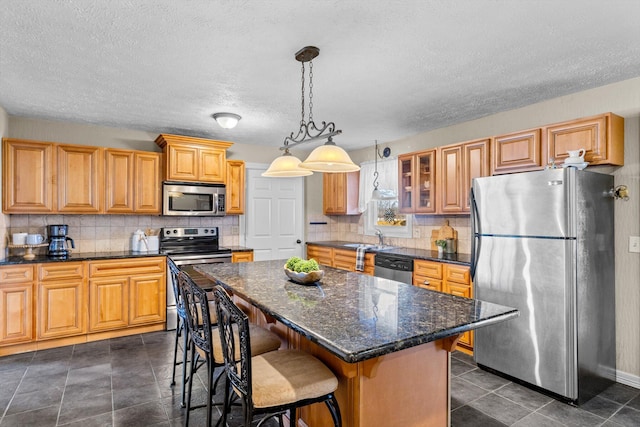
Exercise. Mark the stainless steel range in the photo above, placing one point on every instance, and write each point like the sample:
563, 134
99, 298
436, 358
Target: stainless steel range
187, 246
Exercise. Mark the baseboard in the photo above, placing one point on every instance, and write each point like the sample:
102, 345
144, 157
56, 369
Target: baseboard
628, 379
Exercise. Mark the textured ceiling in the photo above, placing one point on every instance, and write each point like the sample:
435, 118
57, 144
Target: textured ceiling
387, 69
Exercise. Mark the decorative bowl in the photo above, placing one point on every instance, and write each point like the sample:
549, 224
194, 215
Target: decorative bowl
304, 278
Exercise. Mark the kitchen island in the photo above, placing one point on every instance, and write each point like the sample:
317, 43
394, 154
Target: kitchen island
387, 342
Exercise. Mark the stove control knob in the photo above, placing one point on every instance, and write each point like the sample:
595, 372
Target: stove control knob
167, 232
175, 231
206, 230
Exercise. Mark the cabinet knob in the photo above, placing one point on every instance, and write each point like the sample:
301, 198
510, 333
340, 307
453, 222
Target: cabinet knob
426, 282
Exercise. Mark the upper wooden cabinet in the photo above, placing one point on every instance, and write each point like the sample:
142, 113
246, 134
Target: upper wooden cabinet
340, 193
457, 166
80, 179
235, 187
28, 177
601, 136
517, 152
417, 182
191, 159
133, 181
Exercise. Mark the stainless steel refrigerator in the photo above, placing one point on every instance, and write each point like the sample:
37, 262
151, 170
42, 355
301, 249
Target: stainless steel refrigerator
543, 242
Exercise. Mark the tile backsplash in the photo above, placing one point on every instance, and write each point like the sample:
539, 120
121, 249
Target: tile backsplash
109, 233
351, 228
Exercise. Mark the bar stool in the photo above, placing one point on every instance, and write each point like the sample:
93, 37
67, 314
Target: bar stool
270, 383
205, 346
181, 330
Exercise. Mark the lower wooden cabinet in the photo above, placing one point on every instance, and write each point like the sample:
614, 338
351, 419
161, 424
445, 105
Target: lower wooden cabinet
16, 304
344, 259
108, 303
242, 256
127, 292
452, 279
62, 300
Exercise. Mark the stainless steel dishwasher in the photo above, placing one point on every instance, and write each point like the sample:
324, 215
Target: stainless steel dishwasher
394, 267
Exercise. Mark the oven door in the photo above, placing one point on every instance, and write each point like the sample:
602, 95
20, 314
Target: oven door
182, 260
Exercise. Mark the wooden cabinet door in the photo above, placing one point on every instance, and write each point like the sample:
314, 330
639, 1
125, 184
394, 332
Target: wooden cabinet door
450, 179
61, 308
80, 179
147, 183
213, 162
16, 304
334, 193
119, 181
147, 299
28, 176
475, 164
344, 259
16, 313
182, 163
602, 137
108, 303
517, 152
235, 187
417, 182
242, 257
340, 193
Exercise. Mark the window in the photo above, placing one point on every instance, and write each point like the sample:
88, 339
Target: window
383, 214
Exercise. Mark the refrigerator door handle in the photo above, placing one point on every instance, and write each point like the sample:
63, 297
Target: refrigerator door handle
475, 234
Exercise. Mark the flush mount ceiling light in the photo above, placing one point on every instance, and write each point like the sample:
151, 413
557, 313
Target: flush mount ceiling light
227, 120
326, 158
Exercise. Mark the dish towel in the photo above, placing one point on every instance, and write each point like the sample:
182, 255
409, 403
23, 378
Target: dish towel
360, 250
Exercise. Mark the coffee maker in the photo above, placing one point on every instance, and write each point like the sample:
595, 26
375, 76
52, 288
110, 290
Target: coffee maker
58, 247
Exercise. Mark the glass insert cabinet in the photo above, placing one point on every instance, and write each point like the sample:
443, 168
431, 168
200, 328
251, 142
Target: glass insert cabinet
416, 182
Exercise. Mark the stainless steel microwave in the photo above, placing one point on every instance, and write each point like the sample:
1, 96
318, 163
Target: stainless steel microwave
193, 199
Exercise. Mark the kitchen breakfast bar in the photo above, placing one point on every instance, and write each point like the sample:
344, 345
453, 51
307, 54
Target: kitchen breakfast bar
387, 342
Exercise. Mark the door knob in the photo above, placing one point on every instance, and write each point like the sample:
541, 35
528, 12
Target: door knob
298, 241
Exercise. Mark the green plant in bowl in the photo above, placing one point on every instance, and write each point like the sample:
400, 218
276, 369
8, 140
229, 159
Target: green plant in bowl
303, 271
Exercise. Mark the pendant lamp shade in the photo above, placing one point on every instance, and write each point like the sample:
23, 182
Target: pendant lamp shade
329, 158
286, 166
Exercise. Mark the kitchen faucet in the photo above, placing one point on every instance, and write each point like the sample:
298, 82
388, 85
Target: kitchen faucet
380, 237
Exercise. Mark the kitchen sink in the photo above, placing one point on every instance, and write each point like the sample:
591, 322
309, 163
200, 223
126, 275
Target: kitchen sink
370, 247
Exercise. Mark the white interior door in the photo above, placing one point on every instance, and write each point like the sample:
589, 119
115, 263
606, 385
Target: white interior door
274, 221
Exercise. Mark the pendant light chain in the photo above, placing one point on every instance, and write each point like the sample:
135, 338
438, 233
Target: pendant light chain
375, 174
302, 122
311, 92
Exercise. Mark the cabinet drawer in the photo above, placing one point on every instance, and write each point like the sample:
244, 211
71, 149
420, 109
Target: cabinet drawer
127, 267
61, 270
344, 259
428, 269
427, 283
16, 274
322, 254
458, 274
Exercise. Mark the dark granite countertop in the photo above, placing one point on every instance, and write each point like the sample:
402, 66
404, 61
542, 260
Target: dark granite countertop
354, 316
462, 259
80, 256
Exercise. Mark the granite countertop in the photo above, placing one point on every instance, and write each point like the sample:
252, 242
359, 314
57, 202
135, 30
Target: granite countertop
79, 256
424, 254
94, 256
354, 316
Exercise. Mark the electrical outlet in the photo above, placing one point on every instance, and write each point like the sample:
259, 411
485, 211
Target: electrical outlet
416, 233
634, 244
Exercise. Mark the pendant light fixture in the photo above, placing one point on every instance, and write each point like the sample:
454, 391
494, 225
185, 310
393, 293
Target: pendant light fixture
379, 194
326, 158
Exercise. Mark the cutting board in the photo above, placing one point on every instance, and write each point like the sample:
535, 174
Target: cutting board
442, 233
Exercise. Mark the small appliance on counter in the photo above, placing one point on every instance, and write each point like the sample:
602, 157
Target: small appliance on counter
58, 246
